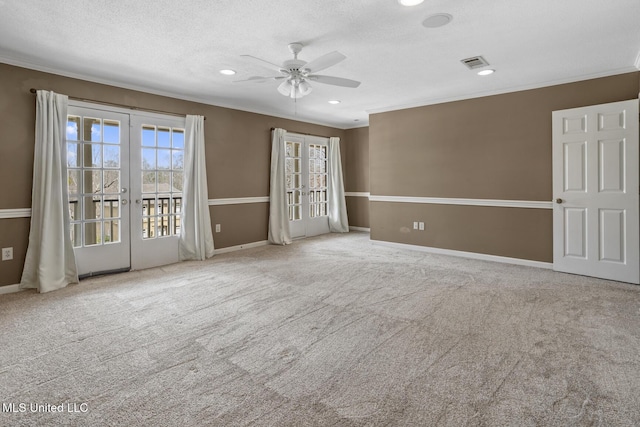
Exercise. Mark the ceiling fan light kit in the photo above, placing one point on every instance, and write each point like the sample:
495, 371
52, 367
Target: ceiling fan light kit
297, 73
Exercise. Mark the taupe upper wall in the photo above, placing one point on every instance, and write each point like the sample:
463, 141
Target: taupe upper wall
238, 143
356, 177
496, 147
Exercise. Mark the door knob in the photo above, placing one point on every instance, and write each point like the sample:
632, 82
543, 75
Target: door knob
559, 201
138, 201
125, 201
124, 190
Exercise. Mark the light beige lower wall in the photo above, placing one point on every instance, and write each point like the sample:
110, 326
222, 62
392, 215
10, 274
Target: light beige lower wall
510, 232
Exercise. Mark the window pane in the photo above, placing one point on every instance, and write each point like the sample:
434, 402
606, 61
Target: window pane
92, 157
76, 235
92, 130
164, 137
312, 166
73, 180
92, 207
111, 206
92, 233
74, 209
164, 159
112, 131
148, 158
178, 181
321, 166
111, 156
112, 231
178, 159
149, 227
73, 125
148, 136
92, 182
289, 149
164, 182
178, 138
148, 206
72, 155
177, 205
296, 197
163, 225
111, 183
148, 182
176, 224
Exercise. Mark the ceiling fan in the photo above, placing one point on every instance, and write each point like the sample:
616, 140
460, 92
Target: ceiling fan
296, 73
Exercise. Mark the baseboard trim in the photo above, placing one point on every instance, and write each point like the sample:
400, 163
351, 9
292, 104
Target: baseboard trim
529, 204
241, 247
10, 289
471, 255
367, 230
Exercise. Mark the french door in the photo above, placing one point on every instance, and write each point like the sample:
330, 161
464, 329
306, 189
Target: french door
306, 172
125, 188
595, 186
98, 181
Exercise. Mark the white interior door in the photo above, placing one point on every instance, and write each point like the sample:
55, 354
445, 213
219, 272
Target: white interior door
306, 169
98, 180
595, 186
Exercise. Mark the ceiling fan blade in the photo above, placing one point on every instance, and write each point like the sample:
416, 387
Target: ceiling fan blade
325, 61
261, 62
336, 81
258, 79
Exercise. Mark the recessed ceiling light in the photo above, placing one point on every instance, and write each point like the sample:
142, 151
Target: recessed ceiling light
486, 72
410, 2
334, 101
227, 72
437, 20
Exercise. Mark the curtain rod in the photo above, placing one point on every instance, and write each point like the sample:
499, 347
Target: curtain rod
302, 133
113, 104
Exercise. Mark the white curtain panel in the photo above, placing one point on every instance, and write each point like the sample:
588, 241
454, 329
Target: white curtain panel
338, 222
279, 232
196, 237
50, 263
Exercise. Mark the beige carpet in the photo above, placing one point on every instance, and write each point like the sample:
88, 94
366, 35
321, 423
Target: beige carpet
330, 331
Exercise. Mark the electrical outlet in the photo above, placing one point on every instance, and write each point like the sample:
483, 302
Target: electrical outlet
7, 254
421, 226
415, 225
217, 228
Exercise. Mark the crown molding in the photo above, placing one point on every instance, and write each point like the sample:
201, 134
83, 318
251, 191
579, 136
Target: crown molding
512, 89
139, 88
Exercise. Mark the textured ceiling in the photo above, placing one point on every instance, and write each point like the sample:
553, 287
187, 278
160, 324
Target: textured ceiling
176, 48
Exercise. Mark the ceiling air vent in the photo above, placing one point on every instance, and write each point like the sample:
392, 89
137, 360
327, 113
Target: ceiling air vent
475, 62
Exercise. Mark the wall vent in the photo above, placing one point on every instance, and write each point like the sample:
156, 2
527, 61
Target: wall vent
475, 62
